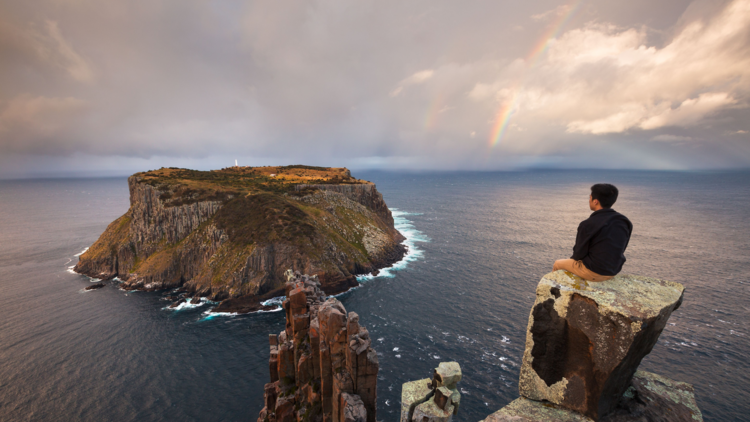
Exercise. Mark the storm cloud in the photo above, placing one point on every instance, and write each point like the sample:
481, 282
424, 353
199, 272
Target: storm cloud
126, 86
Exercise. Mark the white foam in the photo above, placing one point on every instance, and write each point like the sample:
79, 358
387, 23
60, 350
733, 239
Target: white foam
261, 311
274, 301
187, 305
82, 252
127, 291
270, 302
413, 237
210, 315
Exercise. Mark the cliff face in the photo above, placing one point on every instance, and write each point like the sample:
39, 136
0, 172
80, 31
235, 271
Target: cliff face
366, 195
233, 236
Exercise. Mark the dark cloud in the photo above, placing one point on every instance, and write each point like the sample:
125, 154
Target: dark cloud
125, 85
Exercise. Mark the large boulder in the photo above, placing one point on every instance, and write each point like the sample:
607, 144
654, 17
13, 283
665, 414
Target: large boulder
585, 340
650, 398
432, 400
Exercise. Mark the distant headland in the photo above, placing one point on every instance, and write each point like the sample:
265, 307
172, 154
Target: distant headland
229, 235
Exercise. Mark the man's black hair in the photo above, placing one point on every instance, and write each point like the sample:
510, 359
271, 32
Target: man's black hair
605, 193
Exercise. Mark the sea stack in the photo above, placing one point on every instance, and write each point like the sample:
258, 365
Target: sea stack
322, 366
230, 234
584, 343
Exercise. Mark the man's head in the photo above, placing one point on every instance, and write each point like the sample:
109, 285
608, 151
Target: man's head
603, 195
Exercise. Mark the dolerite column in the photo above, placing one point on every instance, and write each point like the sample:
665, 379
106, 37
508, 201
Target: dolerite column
332, 327
322, 365
362, 364
585, 340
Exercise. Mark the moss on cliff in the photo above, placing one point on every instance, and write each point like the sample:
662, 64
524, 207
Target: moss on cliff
264, 217
116, 236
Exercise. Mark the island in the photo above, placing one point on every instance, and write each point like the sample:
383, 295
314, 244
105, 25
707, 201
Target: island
229, 235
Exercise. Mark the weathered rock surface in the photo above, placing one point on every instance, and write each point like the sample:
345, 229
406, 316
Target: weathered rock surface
585, 340
432, 400
229, 235
95, 286
650, 398
322, 366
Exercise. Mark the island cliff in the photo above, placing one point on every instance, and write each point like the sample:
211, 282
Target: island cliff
230, 234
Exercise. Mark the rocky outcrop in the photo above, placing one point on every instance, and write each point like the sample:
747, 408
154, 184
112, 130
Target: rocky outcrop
432, 400
233, 244
650, 398
322, 366
585, 340
584, 343
364, 194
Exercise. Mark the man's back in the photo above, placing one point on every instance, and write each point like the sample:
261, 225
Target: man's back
601, 241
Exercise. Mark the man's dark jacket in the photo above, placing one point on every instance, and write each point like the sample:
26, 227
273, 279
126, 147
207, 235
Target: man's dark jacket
601, 241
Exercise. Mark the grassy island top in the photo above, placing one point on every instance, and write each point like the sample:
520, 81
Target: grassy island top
180, 186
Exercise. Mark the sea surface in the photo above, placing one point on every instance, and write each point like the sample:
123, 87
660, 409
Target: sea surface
479, 243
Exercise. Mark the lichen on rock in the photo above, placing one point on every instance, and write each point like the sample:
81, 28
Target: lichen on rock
432, 400
585, 340
650, 397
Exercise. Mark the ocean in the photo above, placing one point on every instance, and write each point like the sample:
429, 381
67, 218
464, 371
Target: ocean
479, 243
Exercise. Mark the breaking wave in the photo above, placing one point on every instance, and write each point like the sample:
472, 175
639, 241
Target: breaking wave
413, 238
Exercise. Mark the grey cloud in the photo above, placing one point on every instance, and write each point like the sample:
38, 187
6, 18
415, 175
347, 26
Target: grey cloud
385, 84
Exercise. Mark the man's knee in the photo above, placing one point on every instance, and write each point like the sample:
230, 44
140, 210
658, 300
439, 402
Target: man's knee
558, 265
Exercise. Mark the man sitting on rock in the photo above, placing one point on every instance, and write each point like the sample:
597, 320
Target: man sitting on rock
598, 254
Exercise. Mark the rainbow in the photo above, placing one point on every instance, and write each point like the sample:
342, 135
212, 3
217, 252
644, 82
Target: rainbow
503, 118
508, 108
432, 112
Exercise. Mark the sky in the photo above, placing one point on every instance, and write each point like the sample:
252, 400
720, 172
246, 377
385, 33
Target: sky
99, 87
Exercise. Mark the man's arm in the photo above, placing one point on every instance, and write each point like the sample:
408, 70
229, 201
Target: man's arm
581, 248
